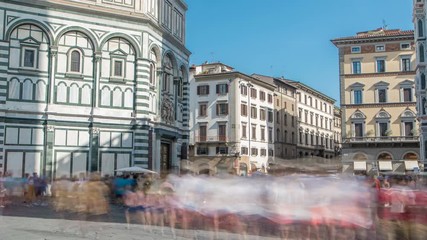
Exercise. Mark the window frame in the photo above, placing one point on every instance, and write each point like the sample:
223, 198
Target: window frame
380, 50
113, 75
353, 69
352, 49
69, 64
377, 70
402, 59
33, 48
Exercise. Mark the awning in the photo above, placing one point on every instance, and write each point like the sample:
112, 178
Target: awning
410, 165
360, 165
385, 165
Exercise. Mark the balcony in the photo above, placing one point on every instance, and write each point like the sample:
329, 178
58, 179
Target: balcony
211, 139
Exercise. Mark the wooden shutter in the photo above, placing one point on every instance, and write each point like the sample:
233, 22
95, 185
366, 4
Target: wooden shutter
226, 88
217, 88
198, 90
207, 89
217, 109
226, 109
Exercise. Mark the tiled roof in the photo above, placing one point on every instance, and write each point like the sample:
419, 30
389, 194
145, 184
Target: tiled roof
378, 33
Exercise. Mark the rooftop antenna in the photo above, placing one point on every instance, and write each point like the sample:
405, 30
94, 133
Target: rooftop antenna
384, 25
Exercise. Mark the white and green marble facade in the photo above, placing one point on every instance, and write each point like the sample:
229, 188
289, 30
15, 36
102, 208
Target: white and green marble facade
127, 102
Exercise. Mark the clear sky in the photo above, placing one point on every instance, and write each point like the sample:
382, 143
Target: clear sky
289, 38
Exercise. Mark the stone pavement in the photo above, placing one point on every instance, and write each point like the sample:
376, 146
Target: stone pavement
18, 221
26, 228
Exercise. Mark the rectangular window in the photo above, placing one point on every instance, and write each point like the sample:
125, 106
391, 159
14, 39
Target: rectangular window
222, 132
203, 90
383, 127
253, 93
358, 129
254, 132
406, 64
357, 96
262, 134
243, 90
262, 96
254, 151
221, 89
202, 133
118, 68
263, 152
380, 65
222, 150
29, 58
221, 109
357, 69
379, 48
262, 114
355, 49
202, 151
244, 131
203, 107
382, 95
405, 46
244, 151
270, 98
270, 116
253, 112
407, 95
409, 126
244, 109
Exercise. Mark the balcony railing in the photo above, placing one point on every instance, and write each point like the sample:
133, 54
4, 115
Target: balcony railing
216, 138
383, 139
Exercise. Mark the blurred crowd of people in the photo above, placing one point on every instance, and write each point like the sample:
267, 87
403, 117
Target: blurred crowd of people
314, 207
32, 188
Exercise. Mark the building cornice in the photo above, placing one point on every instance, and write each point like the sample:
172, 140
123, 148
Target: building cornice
371, 39
312, 91
386, 74
379, 105
215, 76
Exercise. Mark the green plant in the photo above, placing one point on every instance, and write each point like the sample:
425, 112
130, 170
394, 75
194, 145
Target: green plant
388, 132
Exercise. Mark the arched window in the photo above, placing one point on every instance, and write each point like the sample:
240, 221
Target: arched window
14, 89
421, 53
420, 28
27, 90
40, 93
423, 81
75, 61
153, 74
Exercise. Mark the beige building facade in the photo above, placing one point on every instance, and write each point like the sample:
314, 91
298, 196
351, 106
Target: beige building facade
377, 92
285, 114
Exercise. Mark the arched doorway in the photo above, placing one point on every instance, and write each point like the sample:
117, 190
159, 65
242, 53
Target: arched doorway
243, 169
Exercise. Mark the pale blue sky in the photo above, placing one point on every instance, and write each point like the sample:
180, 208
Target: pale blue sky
289, 38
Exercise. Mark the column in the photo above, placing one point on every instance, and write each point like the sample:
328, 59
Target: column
52, 70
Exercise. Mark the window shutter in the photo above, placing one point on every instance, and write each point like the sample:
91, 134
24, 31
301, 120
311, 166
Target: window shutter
198, 90
226, 150
217, 89
226, 88
207, 89
217, 109
217, 150
226, 109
